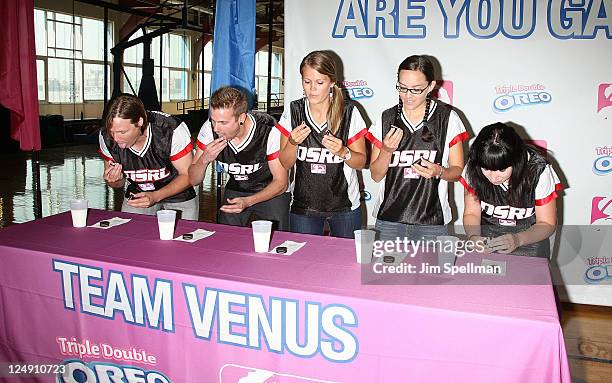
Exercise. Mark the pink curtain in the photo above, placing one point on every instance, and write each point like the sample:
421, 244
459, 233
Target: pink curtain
18, 86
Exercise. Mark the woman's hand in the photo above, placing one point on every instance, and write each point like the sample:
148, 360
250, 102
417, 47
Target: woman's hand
428, 169
392, 139
299, 134
334, 145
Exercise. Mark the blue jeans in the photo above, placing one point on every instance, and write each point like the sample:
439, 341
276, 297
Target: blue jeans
388, 231
340, 224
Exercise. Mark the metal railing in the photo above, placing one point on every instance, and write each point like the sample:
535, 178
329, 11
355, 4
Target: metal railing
278, 100
194, 104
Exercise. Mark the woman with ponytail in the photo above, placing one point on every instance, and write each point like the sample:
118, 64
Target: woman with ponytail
323, 141
417, 150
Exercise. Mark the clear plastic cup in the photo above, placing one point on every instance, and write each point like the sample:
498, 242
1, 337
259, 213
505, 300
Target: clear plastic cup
165, 222
78, 210
364, 245
261, 235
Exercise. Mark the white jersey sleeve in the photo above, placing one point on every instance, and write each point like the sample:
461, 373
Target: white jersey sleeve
357, 128
455, 133
463, 179
273, 145
375, 132
284, 124
205, 136
104, 152
181, 142
547, 187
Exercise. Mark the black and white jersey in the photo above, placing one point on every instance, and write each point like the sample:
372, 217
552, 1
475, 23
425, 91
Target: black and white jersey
498, 217
404, 196
247, 163
499, 212
323, 182
168, 139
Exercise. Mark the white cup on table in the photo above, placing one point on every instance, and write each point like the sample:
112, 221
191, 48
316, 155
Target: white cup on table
364, 245
165, 222
261, 235
78, 210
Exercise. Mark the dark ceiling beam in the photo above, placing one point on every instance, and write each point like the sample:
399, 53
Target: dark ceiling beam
121, 8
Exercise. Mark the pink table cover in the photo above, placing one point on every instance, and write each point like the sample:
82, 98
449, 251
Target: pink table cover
121, 304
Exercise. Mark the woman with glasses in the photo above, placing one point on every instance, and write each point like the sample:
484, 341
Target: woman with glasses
417, 150
322, 139
510, 194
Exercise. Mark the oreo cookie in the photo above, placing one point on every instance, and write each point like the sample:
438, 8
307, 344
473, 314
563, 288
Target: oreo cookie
104, 224
281, 250
188, 236
388, 259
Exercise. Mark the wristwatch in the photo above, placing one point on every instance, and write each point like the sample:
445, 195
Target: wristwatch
348, 154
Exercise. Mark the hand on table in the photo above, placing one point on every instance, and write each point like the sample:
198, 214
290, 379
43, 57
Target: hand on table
504, 244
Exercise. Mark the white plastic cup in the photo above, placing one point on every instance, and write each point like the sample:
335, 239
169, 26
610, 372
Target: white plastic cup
448, 247
261, 235
78, 210
364, 245
165, 222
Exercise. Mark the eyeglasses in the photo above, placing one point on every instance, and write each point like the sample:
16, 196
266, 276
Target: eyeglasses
403, 89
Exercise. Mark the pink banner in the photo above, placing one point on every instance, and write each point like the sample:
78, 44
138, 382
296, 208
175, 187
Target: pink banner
120, 305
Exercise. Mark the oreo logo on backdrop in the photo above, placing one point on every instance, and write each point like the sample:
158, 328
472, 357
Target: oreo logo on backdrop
356, 90
604, 96
513, 96
78, 371
603, 162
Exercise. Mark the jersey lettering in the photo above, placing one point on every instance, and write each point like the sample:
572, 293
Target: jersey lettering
237, 168
407, 157
147, 175
506, 212
318, 155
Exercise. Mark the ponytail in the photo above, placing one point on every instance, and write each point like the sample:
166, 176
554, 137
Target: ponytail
336, 109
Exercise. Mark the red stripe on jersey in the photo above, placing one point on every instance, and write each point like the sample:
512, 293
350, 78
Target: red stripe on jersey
107, 158
274, 155
466, 186
182, 153
459, 138
200, 144
545, 200
283, 131
357, 136
558, 186
373, 140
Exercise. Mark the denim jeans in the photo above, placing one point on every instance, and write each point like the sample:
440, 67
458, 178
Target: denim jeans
340, 224
388, 231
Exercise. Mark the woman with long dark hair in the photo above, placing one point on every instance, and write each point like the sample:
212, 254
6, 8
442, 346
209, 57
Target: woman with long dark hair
322, 139
417, 150
510, 192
